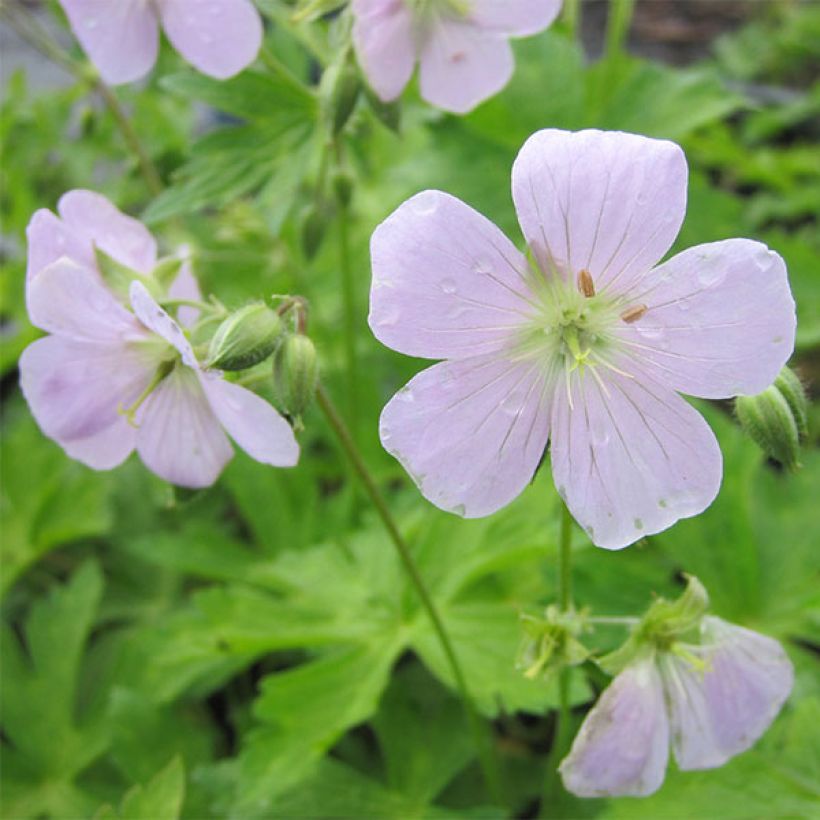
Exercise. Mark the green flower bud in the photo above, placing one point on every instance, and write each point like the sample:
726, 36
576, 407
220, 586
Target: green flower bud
339, 91
389, 114
245, 338
343, 187
314, 226
792, 390
295, 374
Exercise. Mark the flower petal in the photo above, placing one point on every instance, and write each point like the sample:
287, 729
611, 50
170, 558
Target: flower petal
179, 437
218, 37
49, 239
630, 457
94, 219
606, 202
446, 282
121, 38
251, 422
75, 389
155, 318
721, 319
623, 745
519, 18
470, 433
185, 286
72, 301
106, 449
385, 48
462, 65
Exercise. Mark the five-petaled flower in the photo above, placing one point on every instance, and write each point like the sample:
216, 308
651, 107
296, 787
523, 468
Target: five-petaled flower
584, 342
461, 45
121, 37
118, 374
712, 700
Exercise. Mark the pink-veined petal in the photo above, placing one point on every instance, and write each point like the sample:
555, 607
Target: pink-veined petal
518, 18
217, 37
121, 38
720, 319
185, 286
251, 422
72, 301
157, 319
470, 433
384, 41
75, 389
609, 203
179, 437
623, 746
629, 456
462, 65
50, 239
106, 449
94, 219
446, 282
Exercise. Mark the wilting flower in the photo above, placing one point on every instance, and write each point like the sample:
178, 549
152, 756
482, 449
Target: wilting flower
121, 37
461, 45
713, 701
582, 342
118, 374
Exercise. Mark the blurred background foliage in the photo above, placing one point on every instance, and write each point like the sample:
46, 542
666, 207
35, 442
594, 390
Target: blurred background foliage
254, 649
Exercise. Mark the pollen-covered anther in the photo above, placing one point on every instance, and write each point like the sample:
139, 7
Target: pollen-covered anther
632, 314
585, 284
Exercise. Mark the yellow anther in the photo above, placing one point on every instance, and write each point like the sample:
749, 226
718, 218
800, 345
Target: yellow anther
585, 284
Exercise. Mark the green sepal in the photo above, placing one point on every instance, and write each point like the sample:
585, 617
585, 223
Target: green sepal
119, 277
246, 338
166, 271
295, 375
551, 643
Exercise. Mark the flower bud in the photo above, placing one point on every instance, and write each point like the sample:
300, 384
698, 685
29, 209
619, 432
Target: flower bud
295, 373
389, 114
339, 89
776, 418
315, 221
343, 187
245, 338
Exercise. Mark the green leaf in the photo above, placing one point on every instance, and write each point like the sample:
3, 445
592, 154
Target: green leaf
159, 799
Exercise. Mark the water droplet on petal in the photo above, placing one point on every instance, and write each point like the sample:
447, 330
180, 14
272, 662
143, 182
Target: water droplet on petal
710, 275
448, 286
424, 205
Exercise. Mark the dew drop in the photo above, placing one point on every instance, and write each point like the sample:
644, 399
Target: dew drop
710, 275
460, 509
424, 205
388, 317
448, 286
590, 530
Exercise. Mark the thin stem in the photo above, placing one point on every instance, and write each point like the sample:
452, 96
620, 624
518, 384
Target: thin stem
572, 17
352, 452
617, 26
207, 307
565, 560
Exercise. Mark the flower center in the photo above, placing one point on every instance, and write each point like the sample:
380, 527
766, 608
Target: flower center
424, 10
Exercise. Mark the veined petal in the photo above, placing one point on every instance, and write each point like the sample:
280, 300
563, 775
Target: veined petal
121, 38
158, 320
384, 41
218, 37
179, 437
105, 449
185, 286
623, 746
720, 319
470, 433
72, 301
251, 422
609, 203
75, 389
462, 65
518, 18
50, 239
629, 456
447, 283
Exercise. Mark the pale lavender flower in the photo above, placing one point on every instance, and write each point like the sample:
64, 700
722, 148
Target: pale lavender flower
461, 45
117, 375
712, 700
584, 343
121, 37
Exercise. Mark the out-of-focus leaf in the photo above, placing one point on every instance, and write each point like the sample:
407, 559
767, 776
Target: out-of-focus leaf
159, 799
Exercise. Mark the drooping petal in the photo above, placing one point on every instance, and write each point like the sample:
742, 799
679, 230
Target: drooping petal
179, 437
185, 286
462, 65
629, 456
155, 318
609, 203
121, 38
519, 18
720, 319
218, 37
383, 38
446, 282
470, 433
251, 422
75, 389
49, 239
623, 745
94, 219
73, 302
106, 449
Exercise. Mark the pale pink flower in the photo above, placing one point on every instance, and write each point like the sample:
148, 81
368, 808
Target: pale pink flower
109, 379
121, 37
584, 342
461, 45
713, 701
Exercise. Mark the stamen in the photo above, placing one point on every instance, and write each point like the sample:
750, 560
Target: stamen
130, 412
632, 314
585, 284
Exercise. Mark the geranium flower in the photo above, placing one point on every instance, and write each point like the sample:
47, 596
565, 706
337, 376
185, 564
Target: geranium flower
713, 701
583, 342
121, 37
461, 45
110, 379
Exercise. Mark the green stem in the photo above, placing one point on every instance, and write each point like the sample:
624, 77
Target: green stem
571, 17
485, 749
565, 560
617, 26
301, 33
